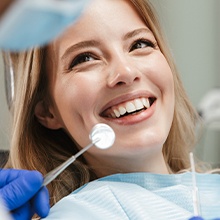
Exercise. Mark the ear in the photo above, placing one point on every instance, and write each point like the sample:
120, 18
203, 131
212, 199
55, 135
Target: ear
46, 117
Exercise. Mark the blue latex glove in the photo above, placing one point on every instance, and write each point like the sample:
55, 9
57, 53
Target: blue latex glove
200, 218
22, 193
34, 23
196, 218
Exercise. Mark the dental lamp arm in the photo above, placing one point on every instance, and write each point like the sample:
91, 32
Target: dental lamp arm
209, 107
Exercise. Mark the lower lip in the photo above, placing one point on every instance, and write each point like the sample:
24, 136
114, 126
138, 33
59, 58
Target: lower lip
136, 118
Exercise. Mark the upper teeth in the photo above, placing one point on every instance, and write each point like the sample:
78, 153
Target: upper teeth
129, 107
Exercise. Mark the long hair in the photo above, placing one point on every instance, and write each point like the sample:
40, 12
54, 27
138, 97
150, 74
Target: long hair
35, 147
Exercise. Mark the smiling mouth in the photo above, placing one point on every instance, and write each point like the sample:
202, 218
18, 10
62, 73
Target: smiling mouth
128, 108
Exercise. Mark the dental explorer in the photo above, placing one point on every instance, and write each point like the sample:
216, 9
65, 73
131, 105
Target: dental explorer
101, 135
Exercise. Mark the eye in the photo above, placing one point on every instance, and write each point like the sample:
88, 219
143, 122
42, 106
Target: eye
141, 43
81, 58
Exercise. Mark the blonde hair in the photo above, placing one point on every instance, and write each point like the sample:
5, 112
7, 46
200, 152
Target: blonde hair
35, 147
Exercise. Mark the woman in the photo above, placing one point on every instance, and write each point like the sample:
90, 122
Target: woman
111, 67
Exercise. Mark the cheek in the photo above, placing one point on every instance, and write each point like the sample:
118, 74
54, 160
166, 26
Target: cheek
167, 75
75, 98
166, 82
74, 91
158, 71
85, 91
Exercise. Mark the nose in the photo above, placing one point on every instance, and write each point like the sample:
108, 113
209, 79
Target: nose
122, 72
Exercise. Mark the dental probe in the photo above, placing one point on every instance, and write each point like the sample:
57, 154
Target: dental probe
195, 191
101, 135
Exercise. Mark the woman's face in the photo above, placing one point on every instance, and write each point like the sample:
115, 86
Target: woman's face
107, 68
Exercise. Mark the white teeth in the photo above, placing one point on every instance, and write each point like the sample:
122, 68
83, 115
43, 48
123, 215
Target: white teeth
146, 102
117, 113
113, 115
130, 107
122, 110
138, 104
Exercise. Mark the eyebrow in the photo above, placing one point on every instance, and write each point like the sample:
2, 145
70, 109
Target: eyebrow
93, 43
136, 32
80, 45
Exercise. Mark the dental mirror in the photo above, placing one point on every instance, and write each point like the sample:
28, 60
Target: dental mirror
101, 135
104, 134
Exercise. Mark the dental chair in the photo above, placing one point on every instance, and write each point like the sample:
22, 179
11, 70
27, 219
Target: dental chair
3, 157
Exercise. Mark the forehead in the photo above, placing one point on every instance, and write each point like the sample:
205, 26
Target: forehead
108, 14
101, 21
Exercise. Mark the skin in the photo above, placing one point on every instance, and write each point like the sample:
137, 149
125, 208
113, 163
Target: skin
124, 63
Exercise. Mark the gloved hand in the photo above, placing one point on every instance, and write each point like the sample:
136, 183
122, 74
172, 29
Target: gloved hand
26, 23
200, 218
196, 218
21, 192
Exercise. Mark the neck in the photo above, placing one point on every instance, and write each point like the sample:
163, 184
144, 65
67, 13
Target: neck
104, 166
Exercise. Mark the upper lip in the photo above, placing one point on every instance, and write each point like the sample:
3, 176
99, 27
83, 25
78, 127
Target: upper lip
125, 98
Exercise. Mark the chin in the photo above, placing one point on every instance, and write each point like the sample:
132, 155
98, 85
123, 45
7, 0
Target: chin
141, 145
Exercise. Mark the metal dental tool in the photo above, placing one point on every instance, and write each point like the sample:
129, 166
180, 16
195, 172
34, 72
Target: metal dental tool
9, 79
101, 135
195, 191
